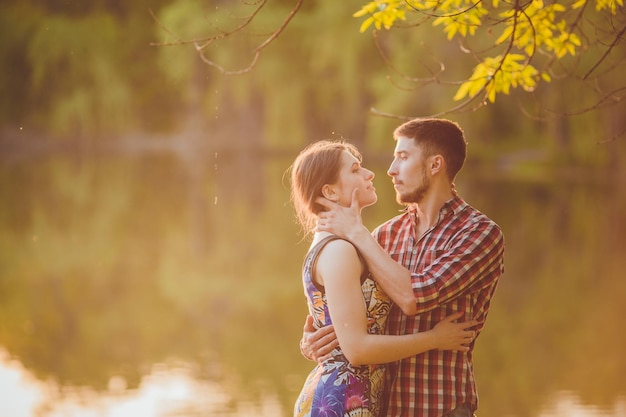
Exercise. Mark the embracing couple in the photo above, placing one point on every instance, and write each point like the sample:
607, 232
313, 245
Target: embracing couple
393, 314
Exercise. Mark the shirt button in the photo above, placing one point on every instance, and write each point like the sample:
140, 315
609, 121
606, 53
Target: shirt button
414, 251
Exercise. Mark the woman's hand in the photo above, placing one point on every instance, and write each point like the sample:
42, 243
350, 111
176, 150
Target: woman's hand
455, 336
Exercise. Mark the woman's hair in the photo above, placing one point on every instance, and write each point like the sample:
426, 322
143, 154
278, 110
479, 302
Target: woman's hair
316, 165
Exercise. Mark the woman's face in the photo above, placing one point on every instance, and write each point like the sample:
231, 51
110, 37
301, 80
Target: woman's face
353, 176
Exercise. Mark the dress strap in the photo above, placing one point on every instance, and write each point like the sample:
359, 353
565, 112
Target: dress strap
313, 254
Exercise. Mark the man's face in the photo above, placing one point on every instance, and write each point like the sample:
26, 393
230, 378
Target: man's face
408, 172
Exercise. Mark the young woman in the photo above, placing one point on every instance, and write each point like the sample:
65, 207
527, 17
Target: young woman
340, 291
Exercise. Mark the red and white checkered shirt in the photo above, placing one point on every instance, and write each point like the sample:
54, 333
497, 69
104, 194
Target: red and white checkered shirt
455, 266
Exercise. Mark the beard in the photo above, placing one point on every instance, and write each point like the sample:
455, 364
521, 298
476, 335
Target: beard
416, 195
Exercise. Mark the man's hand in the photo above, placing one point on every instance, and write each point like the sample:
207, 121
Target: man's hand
317, 345
344, 222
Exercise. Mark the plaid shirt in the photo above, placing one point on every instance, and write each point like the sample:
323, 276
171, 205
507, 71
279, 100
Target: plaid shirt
455, 266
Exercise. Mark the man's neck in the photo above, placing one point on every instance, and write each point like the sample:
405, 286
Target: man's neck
428, 210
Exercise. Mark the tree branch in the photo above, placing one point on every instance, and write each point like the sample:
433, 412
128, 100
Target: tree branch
201, 44
618, 37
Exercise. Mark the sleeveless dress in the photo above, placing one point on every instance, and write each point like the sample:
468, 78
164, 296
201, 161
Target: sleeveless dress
336, 388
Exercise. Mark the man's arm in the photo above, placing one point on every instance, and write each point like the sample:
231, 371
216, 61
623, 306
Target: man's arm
394, 278
346, 222
317, 345
472, 262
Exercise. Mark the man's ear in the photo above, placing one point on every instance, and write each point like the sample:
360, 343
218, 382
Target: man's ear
436, 164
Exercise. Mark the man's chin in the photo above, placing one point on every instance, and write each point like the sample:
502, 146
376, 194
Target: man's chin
406, 200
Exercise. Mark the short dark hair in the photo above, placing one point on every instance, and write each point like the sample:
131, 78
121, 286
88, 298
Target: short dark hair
437, 136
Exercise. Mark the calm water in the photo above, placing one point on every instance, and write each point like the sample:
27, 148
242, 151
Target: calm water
160, 286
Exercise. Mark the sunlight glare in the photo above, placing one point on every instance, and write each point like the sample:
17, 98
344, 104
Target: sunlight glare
566, 404
164, 392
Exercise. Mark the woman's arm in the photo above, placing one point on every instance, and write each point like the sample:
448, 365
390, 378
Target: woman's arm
339, 268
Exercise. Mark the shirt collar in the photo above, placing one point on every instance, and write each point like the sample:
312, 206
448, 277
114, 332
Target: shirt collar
452, 207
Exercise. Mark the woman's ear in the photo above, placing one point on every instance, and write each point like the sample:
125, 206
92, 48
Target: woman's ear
329, 193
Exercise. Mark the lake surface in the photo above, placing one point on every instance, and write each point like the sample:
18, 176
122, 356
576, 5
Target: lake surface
159, 285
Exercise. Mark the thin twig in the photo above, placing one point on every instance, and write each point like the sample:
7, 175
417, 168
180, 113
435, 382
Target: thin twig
606, 53
205, 40
257, 50
201, 44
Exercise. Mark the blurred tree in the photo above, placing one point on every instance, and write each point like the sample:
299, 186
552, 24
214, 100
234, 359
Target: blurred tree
18, 23
87, 71
515, 44
301, 88
76, 68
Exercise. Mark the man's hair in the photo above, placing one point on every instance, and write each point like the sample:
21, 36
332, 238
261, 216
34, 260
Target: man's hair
437, 137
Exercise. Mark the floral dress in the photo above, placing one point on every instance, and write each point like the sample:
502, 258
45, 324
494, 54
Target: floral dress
335, 387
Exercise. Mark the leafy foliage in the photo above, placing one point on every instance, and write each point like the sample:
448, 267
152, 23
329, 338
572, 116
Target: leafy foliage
533, 35
381, 13
498, 75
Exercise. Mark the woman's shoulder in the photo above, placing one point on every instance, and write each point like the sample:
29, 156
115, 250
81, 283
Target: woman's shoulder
338, 259
336, 245
330, 248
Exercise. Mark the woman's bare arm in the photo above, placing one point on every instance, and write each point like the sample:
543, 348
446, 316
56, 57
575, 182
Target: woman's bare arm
340, 269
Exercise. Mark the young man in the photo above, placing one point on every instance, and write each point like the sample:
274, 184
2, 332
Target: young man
441, 253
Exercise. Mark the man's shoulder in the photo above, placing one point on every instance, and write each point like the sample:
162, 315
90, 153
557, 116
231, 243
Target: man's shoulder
473, 215
470, 218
